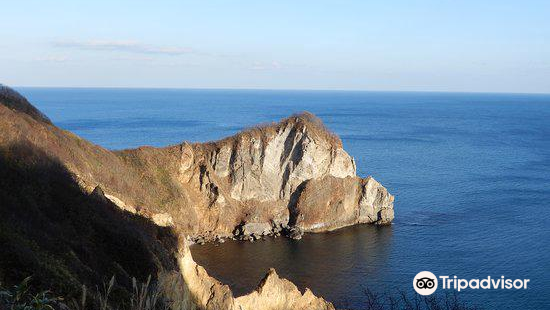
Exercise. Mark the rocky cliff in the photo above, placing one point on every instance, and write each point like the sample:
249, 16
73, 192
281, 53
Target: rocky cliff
292, 176
282, 178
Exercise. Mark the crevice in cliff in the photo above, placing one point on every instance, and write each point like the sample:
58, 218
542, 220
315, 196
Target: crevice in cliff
292, 204
293, 149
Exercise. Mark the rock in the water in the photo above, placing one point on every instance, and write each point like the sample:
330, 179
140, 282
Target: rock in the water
296, 233
256, 228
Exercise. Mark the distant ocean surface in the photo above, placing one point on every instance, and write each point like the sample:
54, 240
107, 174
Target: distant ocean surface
470, 173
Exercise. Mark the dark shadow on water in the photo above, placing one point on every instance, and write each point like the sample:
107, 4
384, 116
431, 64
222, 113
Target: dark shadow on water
327, 263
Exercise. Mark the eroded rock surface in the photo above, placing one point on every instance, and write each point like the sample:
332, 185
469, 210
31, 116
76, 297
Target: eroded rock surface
329, 203
282, 177
291, 176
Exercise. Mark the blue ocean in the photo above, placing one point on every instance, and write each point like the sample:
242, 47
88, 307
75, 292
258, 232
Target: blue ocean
470, 174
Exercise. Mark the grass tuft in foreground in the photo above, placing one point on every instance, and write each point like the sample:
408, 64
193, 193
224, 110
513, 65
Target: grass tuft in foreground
404, 301
144, 296
148, 296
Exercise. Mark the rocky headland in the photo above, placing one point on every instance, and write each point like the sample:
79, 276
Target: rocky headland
285, 178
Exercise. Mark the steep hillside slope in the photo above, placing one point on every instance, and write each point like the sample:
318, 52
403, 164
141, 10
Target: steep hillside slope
65, 238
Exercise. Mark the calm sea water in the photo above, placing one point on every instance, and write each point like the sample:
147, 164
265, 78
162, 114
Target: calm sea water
470, 172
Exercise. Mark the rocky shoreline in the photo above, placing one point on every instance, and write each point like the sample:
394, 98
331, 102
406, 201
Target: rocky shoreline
253, 232
280, 179
286, 178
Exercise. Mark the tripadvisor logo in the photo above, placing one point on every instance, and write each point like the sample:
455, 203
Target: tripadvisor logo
425, 283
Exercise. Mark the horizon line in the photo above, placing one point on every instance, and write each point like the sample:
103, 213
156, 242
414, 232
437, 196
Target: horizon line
286, 89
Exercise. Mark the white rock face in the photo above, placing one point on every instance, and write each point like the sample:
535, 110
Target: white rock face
186, 158
119, 203
256, 228
375, 204
271, 170
255, 180
162, 219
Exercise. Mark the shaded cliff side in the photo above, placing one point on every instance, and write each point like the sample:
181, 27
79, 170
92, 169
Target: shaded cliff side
65, 238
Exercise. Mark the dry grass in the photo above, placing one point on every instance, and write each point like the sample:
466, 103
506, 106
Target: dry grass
66, 238
402, 301
138, 177
15, 101
304, 121
151, 295
144, 296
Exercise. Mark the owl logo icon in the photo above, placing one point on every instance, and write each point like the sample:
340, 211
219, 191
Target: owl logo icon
425, 283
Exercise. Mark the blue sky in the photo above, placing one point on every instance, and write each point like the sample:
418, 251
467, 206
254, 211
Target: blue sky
492, 46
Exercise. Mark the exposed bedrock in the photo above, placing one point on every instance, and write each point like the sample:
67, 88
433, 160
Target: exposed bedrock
290, 177
281, 178
330, 203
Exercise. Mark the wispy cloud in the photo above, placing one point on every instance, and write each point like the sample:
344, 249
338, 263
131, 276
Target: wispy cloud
125, 46
278, 66
274, 65
51, 59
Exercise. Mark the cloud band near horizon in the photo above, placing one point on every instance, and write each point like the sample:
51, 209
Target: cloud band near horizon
125, 46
